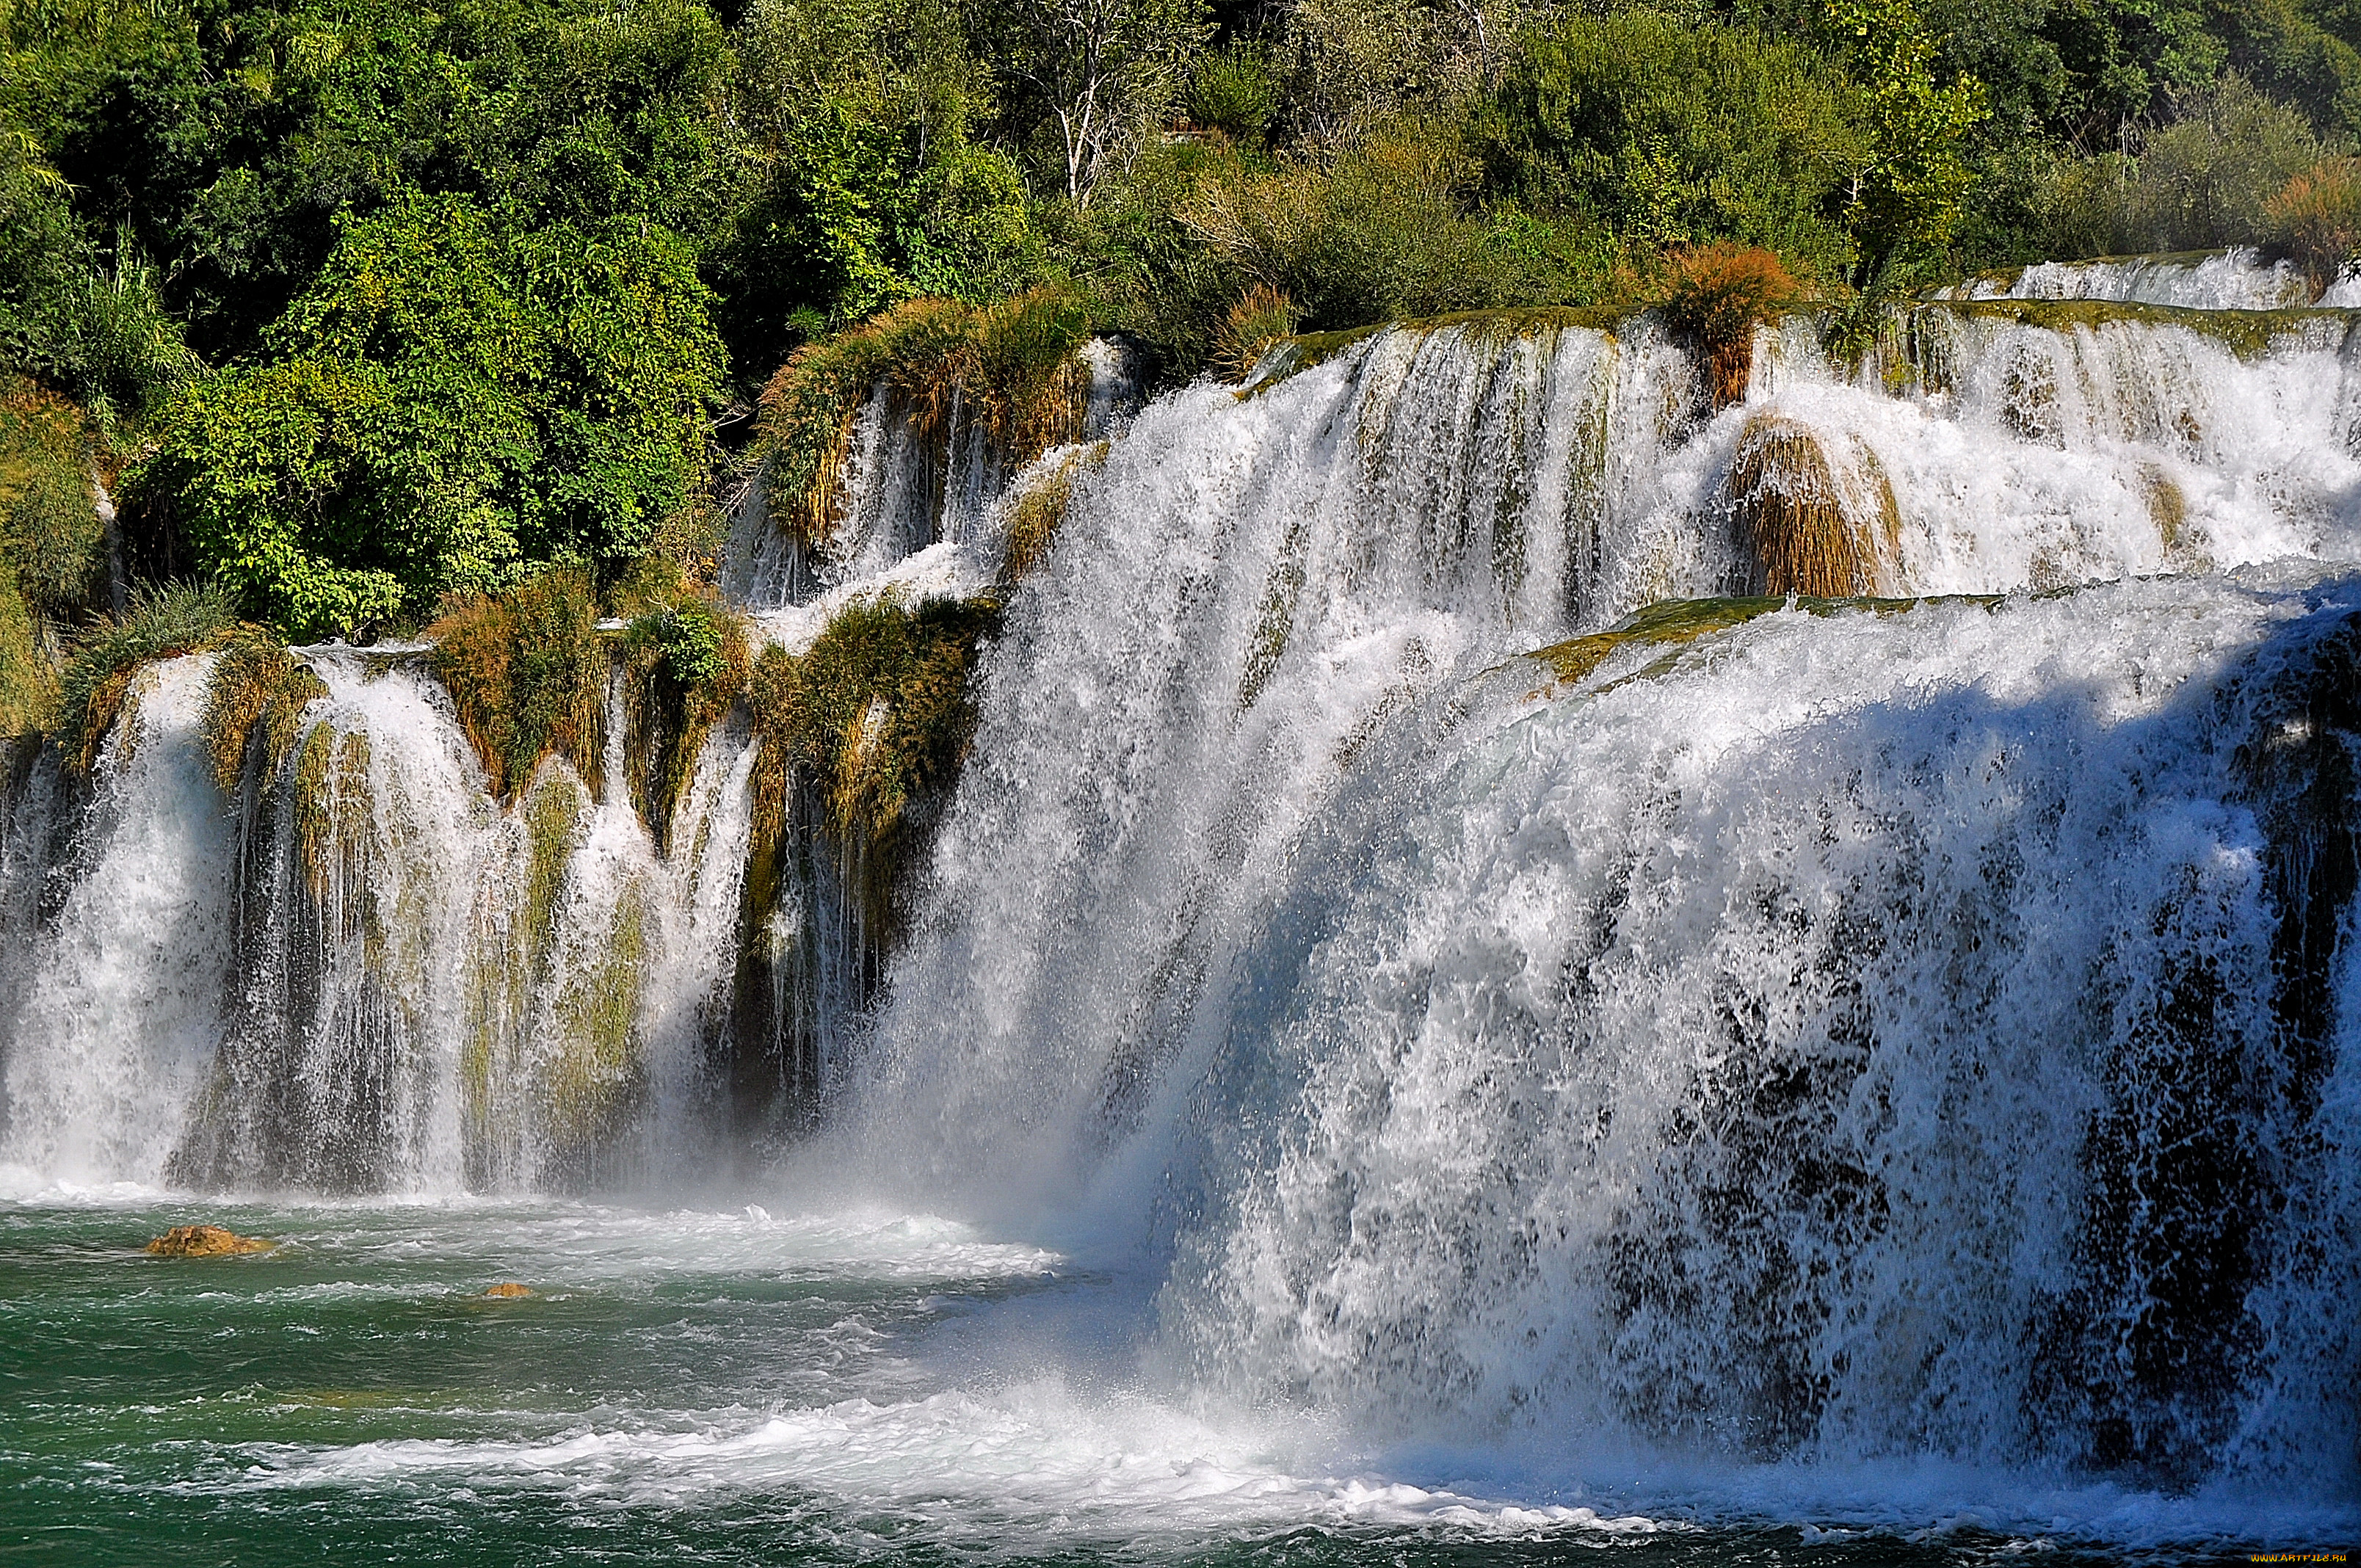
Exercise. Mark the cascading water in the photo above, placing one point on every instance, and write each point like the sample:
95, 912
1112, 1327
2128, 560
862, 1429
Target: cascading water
355, 973
1887, 1007
1865, 1034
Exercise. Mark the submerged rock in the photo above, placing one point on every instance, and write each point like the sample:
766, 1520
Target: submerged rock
205, 1241
509, 1290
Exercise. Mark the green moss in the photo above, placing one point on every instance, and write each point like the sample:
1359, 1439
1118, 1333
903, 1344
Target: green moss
594, 1076
877, 713
1034, 517
1676, 624
684, 662
255, 699
2249, 334
331, 804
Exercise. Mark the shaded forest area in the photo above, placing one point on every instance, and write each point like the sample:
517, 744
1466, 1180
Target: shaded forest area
358, 308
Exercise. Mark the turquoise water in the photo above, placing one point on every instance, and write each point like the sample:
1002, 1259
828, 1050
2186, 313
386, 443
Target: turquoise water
693, 1386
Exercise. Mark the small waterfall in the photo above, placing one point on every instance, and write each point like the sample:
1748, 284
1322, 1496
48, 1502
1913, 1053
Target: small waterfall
116, 949
359, 973
2240, 279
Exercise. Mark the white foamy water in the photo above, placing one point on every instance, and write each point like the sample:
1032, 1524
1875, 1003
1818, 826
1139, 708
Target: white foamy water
2235, 279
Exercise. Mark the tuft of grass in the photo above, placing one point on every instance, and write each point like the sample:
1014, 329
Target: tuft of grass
255, 699
527, 673
1791, 515
2316, 217
159, 623
877, 712
1015, 365
1716, 295
1262, 318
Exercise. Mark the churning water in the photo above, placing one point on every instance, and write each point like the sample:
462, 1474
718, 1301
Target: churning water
1854, 1077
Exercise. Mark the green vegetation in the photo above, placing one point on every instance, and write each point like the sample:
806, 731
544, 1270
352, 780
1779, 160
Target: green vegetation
379, 313
102, 661
528, 675
685, 660
877, 714
255, 699
1011, 365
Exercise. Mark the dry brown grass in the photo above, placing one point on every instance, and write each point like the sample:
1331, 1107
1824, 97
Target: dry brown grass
527, 674
1792, 518
1716, 295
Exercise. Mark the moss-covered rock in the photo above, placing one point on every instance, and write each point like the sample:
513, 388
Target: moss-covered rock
205, 1241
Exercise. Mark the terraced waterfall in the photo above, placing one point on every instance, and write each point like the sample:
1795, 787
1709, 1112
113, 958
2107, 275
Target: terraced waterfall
1506, 926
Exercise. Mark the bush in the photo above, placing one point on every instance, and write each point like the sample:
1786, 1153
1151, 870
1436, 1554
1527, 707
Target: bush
2203, 179
2317, 217
1234, 91
1717, 295
1672, 133
1262, 317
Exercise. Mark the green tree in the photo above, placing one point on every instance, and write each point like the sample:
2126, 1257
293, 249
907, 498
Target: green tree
1905, 188
449, 402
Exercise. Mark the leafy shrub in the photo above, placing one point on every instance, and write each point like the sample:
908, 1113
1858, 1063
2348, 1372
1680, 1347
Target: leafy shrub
454, 403
1717, 294
49, 529
1234, 91
527, 675
2317, 217
1674, 133
159, 622
2203, 179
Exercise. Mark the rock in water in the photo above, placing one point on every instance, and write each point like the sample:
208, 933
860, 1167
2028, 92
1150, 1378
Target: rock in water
509, 1290
205, 1241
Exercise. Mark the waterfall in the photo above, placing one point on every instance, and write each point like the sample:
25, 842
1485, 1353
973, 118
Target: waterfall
1842, 1029
2240, 279
355, 972
1516, 899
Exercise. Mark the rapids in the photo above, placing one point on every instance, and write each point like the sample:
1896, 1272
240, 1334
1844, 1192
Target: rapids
1867, 1049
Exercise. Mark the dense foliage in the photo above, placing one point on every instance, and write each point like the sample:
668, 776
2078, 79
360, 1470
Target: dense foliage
377, 301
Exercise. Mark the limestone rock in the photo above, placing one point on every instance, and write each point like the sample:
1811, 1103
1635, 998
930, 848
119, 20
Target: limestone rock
205, 1241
